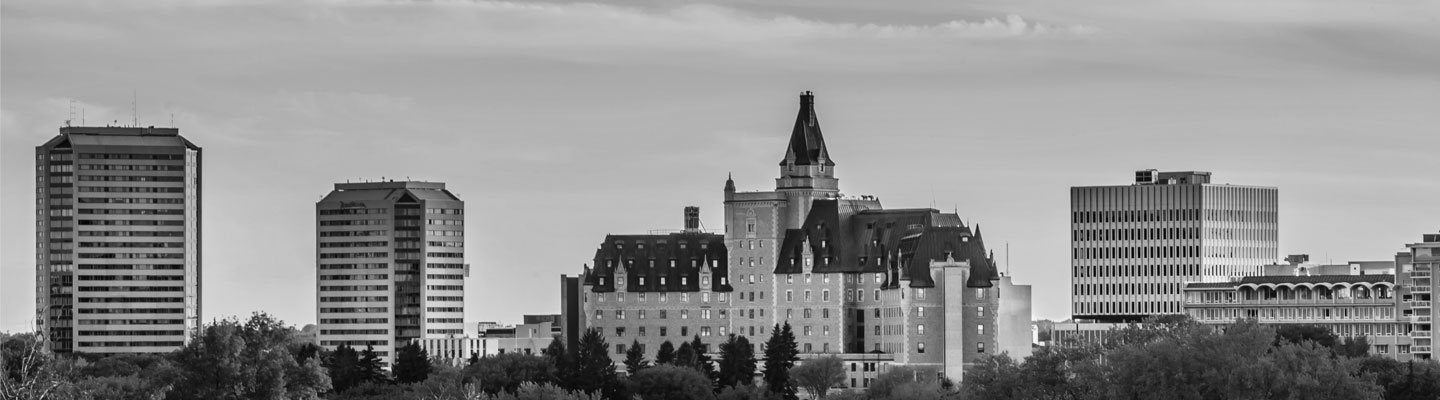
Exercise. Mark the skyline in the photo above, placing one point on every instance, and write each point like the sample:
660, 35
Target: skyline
563, 155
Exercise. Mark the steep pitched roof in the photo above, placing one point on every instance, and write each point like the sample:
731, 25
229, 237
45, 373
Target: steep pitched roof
651, 256
807, 145
870, 241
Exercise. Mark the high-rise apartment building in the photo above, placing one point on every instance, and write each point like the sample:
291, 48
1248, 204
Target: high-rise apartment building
390, 262
1133, 247
1416, 273
118, 239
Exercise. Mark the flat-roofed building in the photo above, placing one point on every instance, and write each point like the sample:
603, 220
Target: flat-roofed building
118, 263
1134, 247
1416, 269
390, 265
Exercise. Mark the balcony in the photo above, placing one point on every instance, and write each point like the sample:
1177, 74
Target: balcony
1419, 274
1419, 349
1419, 304
1419, 334
1420, 289
1419, 319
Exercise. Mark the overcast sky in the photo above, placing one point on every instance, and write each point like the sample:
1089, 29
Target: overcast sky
558, 123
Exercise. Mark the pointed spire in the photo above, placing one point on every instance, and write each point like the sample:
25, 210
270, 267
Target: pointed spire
807, 145
729, 182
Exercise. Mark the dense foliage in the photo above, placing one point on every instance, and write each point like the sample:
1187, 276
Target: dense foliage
1160, 359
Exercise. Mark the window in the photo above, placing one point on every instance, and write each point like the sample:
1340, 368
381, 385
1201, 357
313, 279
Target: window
920, 329
789, 279
920, 293
619, 314
825, 295
877, 294
920, 312
664, 330
619, 348
599, 314
619, 331
662, 314
979, 347
920, 348
980, 329
807, 294
980, 310
684, 314
642, 314
789, 295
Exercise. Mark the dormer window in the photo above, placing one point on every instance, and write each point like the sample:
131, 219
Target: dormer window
662, 281
672, 263
684, 281
640, 246
642, 281
705, 280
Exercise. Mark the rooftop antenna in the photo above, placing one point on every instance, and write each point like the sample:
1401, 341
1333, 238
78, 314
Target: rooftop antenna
72, 112
134, 115
1007, 258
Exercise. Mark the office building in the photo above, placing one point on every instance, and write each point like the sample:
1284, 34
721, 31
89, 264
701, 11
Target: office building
876, 287
1134, 247
390, 264
118, 240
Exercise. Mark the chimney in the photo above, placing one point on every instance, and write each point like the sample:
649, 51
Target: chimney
692, 219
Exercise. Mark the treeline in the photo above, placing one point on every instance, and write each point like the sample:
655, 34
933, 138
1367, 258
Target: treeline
1169, 358
1178, 358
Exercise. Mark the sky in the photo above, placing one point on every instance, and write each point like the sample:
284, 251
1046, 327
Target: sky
560, 122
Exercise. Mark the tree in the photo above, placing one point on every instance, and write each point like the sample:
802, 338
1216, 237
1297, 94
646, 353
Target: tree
746, 392
506, 372
702, 360
780, 354
666, 354
28, 370
370, 368
561, 358
595, 372
685, 356
635, 358
229, 359
737, 362
818, 375
1353, 347
665, 382
1298, 333
412, 364
344, 368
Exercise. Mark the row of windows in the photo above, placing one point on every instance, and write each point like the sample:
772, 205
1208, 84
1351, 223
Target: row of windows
132, 277
355, 211
172, 211
347, 310
172, 245
444, 233
445, 309
355, 288
132, 288
106, 167
354, 331
130, 156
353, 298
1128, 289
132, 299
1126, 308
130, 178
665, 331
138, 267
451, 211
445, 255
446, 332
131, 200
354, 320
351, 222
664, 314
359, 343
133, 255
354, 244
445, 287
353, 233
132, 311
445, 222
132, 222
133, 233
445, 266
133, 344
1135, 234
446, 276
131, 333
354, 266
445, 298
664, 296
131, 321
445, 244
353, 277
380, 254
445, 320
620, 245
131, 189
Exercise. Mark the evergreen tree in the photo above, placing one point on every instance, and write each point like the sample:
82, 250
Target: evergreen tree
412, 364
737, 362
702, 360
561, 358
594, 371
780, 355
635, 358
666, 354
370, 368
474, 358
685, 356
344, 366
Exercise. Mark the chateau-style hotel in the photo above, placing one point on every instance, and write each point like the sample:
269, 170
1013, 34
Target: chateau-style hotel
876, 286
